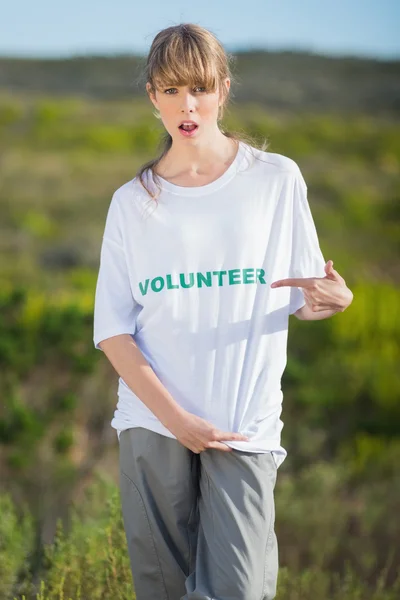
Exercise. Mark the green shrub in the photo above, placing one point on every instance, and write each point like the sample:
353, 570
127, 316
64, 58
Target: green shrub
16, 541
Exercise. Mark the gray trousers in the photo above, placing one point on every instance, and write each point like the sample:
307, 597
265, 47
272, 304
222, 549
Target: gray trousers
198, 526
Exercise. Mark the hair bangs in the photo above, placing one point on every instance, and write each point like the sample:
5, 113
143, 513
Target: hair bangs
185, 62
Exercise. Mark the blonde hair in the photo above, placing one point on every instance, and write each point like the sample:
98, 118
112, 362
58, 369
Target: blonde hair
187, 54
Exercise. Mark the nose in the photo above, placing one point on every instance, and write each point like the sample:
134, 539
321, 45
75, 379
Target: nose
188, 102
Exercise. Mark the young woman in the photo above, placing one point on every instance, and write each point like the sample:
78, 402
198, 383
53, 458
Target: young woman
205, 254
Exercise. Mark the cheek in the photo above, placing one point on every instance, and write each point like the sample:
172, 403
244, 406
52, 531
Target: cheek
209, 107
165, 108
168, 112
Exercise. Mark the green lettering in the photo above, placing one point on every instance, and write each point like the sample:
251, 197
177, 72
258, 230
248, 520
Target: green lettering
144, 288
187, 280
154, 284
220, 275
247, 273
182, 280
260, 275
201, 279
170, 285
234, 273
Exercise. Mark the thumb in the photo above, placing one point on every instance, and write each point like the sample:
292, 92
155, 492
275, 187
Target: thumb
332, 274
329, 266
329, 270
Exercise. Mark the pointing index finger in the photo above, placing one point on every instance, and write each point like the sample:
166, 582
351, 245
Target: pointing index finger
294, 282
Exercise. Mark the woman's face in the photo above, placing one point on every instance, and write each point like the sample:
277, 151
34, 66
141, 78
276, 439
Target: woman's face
177, 104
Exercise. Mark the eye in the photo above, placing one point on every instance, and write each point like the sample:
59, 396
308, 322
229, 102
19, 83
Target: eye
196, 88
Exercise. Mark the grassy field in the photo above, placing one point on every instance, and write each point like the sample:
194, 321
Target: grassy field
338, 492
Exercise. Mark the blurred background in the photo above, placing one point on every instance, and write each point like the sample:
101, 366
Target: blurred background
320, 82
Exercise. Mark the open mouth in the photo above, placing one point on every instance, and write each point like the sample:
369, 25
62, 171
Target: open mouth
191, 127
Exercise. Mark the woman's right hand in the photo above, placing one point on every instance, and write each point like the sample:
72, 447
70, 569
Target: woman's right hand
197, 434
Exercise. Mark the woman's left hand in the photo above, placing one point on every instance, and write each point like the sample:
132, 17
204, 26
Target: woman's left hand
322, 293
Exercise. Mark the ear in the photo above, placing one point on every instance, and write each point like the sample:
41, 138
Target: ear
224, 90
151, 95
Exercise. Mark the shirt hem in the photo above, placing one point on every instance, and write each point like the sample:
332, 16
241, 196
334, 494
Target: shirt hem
257, 446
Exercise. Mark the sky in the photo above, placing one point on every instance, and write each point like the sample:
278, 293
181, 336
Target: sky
49, 29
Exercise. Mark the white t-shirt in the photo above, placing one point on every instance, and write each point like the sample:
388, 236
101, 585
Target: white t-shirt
190, 280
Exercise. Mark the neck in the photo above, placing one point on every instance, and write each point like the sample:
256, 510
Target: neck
199, 156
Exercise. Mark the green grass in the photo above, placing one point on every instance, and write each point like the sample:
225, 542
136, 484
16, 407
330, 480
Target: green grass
88, 559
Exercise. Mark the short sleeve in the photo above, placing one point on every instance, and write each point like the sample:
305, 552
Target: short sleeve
307, 259
115, 309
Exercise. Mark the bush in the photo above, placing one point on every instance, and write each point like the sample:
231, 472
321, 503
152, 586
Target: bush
16, 541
